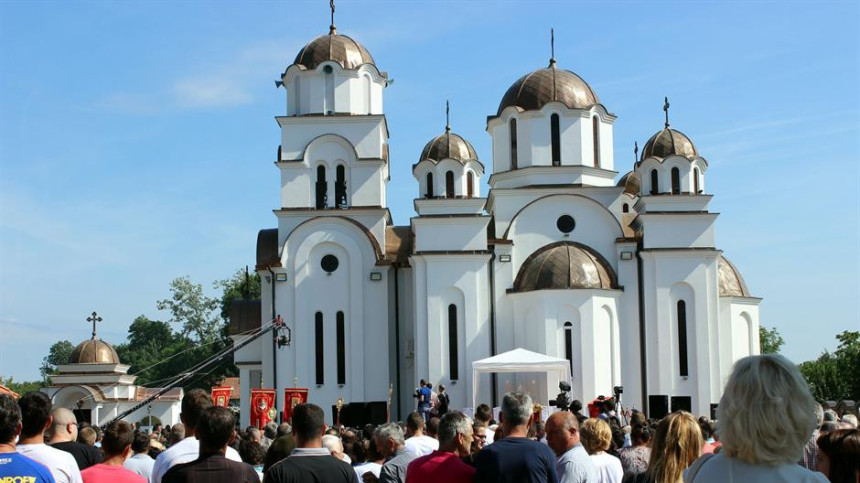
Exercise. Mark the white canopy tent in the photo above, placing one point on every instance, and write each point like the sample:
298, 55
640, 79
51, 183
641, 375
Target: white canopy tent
520, 360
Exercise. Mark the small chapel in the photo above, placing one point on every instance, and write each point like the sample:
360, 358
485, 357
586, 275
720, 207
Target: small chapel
613, 268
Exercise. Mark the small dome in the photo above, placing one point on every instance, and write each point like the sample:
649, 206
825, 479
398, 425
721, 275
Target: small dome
669, 142
564, 265
630, 182
535, 89
333, 47
448, 145
94, 351
731, 284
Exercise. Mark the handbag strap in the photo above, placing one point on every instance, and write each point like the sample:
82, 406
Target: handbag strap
697, 465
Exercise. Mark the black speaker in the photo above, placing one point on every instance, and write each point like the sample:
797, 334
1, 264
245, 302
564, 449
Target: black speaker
682, 403
658, 406
714, 411
376, 412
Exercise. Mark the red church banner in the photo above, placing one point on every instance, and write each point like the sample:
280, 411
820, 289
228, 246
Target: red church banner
221, 395
262, 407
293, 396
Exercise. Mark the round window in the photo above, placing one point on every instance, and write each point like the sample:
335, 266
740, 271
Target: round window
329, 263
327, 69
565, 223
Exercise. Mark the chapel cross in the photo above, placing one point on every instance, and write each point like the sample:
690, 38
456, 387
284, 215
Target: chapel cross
635, 151
332, 28
94, 319
447, 116
666, 109
552, 46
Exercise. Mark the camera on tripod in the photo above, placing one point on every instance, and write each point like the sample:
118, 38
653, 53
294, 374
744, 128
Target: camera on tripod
562, 401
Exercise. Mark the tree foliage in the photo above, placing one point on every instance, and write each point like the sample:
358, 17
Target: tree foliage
21, 387
58, 354
193, 311
835, 376
771, 341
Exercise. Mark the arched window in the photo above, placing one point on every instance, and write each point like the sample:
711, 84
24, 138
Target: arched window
319, 349
470, 180
568, 343
682, 338
341, 349
676, 181
595, 127
322, 187
453, 359
429, 185
655, 187
340, 187
513, 144
449, 184
555, 134
625, 208
696, 181
328, 108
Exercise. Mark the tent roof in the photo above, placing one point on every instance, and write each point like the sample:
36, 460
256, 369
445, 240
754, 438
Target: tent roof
519, 360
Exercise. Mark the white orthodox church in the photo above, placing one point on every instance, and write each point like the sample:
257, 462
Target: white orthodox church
620, 275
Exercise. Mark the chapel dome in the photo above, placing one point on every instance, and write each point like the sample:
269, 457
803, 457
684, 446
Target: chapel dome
669, 142
333, 47
537, 88
630, 182
564, 265
731, 283
94, 351
448, 145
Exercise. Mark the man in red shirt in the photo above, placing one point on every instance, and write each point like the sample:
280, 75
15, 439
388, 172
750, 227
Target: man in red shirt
116, 445
444, 464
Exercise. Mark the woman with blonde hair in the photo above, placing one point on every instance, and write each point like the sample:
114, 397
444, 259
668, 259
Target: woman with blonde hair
677, 442
596, 436
764, 419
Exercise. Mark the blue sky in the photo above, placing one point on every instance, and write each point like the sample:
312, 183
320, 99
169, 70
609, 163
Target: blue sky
137, 138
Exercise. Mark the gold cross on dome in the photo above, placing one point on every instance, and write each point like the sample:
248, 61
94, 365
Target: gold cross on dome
94, 319
666, 109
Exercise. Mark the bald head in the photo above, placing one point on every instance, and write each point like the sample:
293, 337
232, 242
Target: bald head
562, 432
64, 427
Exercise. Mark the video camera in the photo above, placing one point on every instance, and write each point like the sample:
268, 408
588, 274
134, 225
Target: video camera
562, 401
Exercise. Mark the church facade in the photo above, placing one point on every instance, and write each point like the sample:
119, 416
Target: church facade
620, 275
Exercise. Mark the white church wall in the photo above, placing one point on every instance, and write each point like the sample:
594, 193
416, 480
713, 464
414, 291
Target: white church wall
628, 327
366, 133
402, 362
665, 231
458, 233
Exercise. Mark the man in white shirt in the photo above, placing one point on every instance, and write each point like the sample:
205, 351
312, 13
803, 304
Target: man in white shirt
140, 462
187, 450
573, 464
417, 442
35, 420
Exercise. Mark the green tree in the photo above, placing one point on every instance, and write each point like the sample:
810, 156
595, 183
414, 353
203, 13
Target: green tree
771, 341
237, 287
193, 311
21, 387
154, 351
58, 354
835, 376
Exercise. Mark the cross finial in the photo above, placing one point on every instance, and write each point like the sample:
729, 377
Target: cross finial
636, 151
447, 116
666, 109
94, 319
332, 29
552, 47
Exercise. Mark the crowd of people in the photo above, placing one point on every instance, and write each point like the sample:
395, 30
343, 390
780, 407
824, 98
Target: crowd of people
768, 429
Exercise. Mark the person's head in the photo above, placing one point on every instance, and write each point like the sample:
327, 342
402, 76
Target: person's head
359, 451
850, 420
283, 430
194, 403
215, 429
140, 443
829, 426
334, 445
414, 424
677, 443
637, 417
177, 433
516, 410
373, 451
64, 426
308, 425
35, 414
483, 414
87, 436
640, 435
432, 428
479, 436
839, 455
10, 419
422, 383
116, 439
562, 432
596, 435
705, 428
251, 452
766, 414
455, 433
270, 430
609, 405
819, 414
441, 388
389, 438
830, 415
254, 434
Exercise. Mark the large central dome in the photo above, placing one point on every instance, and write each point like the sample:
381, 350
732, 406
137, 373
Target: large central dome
537, 88
333, 47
